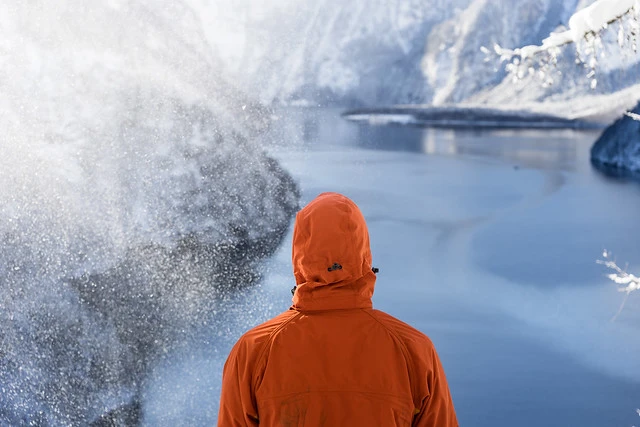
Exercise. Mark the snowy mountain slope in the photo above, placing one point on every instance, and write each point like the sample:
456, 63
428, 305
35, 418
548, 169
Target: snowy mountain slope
385, 52
132, 195
329, 51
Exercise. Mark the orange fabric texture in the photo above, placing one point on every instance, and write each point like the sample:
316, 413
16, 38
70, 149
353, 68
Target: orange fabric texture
331, 359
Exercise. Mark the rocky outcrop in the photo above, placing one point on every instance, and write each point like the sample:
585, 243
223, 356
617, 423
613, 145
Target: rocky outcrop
617, 151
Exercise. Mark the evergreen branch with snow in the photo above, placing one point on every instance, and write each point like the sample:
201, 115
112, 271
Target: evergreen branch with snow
625, 281
585, 27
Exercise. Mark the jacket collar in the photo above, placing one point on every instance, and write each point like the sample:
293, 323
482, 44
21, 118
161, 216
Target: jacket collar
317, 296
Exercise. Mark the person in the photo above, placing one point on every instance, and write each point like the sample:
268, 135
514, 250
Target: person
331, 359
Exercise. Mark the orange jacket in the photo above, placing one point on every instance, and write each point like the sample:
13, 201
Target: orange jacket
331, 359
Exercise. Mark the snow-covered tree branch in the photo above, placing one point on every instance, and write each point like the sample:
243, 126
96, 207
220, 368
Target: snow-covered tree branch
625, 281
585, 28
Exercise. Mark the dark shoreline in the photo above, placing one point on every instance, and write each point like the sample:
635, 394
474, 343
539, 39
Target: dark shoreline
465, 117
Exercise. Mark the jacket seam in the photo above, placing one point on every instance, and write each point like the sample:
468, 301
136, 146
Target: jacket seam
342, 390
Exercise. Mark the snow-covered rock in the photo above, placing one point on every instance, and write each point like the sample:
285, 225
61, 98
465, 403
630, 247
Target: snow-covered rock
133, 193
617, 150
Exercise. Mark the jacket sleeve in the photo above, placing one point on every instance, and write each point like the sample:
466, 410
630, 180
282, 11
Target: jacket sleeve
437, 408
237, 399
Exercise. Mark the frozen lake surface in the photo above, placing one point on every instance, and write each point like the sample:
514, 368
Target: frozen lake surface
487, 242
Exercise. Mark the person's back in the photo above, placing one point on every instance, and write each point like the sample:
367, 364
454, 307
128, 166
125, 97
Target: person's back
332, 360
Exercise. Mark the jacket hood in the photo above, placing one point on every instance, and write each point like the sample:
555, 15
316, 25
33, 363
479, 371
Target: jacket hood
331, 255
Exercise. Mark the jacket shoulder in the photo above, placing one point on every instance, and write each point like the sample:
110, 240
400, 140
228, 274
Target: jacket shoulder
432, 398
411, 337
260, 334
247, 353
421, 356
